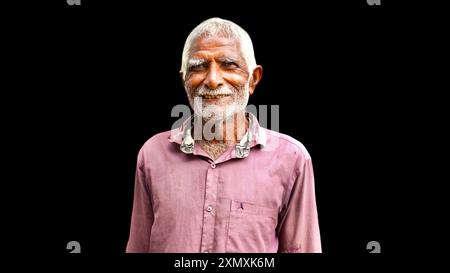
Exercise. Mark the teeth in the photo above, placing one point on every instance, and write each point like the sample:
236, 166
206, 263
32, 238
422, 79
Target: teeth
213, 97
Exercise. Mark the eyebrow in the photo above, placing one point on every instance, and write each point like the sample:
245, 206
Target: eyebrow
228, 60
195, 62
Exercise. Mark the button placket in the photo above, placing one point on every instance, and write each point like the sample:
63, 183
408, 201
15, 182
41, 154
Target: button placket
209, 209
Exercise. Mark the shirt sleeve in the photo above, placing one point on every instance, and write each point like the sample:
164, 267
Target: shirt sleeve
298, 230
142, 214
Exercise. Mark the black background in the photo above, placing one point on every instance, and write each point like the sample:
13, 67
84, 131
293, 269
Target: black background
97, 80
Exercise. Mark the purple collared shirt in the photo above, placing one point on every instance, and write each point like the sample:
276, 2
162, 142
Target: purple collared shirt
263, 201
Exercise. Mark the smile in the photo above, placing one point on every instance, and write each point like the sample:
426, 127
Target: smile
209, 97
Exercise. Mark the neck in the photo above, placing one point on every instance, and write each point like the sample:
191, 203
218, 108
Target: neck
227, 131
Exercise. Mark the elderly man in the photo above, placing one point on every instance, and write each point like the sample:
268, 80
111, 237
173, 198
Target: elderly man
220, 182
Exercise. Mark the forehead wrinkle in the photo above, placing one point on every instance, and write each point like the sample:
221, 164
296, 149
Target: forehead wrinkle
217, 56
215, 42
204, 47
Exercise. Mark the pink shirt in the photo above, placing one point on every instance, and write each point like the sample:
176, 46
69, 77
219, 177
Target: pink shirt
259, 199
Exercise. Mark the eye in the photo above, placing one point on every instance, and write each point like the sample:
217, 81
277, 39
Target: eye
198, 67
229, 65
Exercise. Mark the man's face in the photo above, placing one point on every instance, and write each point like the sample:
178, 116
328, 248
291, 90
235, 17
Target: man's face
217, 79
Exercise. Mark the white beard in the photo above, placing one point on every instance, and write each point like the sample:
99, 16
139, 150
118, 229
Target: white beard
218, 112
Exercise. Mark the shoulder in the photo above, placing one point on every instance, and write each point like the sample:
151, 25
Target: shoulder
156, 144
158, 139
282, 143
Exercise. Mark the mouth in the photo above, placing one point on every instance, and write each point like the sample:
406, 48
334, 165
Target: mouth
214, 97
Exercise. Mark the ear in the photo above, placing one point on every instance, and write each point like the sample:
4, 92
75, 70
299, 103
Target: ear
181, 77
256, 77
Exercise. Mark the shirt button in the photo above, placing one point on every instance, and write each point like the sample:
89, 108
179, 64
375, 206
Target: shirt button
209, 208
213, 165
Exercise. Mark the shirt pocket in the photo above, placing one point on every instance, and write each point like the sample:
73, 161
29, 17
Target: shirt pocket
251, 228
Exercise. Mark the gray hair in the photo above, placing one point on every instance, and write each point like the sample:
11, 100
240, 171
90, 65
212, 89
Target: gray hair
221, 28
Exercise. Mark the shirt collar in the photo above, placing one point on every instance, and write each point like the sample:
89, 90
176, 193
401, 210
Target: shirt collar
254, 135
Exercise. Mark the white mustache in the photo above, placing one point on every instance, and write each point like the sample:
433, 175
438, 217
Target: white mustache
222, 90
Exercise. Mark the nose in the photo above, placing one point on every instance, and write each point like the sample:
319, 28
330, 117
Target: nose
214, 77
